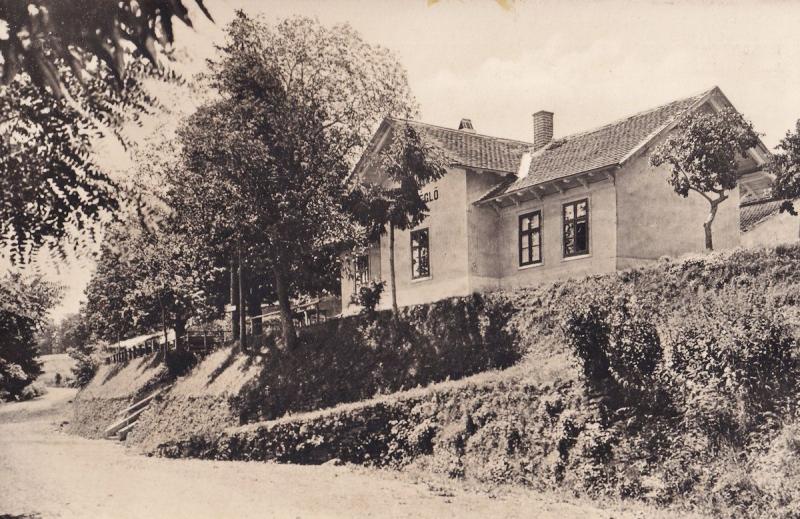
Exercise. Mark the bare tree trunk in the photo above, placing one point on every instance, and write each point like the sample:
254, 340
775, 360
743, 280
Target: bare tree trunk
180, 330
234, 301
392, 275
710, 221
242, 313
284, 305
163, 322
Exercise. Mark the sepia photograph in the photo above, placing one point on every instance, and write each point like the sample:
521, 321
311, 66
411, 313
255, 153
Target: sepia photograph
433, 259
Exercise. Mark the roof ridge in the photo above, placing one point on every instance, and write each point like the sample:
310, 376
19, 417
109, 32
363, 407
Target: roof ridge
460, 132
631, 116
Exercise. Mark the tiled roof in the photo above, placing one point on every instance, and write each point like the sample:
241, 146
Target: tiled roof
473, 150
601, 147
753, 213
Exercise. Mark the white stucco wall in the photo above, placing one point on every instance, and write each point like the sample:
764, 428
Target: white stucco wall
447, 225
654, 221
602, 238
777, 229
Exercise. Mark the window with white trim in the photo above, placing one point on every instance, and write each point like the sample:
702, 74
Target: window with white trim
420, 254
576, 228
530, 238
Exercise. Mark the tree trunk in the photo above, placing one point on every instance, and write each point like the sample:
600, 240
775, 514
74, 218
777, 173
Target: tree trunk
392, 276
710, 221
164, 323
234, 301
287, 322
242, 313
180, 331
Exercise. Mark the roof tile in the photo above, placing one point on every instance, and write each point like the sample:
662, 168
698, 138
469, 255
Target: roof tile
473, 150
601, 147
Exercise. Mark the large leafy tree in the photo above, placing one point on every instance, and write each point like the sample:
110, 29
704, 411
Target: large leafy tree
24, 303
149, 279
785, 165
702, 154
71, 70
299, 102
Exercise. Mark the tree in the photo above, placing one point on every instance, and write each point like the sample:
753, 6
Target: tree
702, 154
299, 102
24, 303
73, 333
785, 165
149, 279
409, 163
71, 70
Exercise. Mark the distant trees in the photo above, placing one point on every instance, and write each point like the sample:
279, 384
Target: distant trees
270, 159
785, 165
701, 154
24, 303
71, 70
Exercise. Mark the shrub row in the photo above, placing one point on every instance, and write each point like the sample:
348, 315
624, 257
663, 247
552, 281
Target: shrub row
357, 358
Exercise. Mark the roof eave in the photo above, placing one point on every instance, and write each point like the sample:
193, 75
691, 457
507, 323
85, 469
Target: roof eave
561, 184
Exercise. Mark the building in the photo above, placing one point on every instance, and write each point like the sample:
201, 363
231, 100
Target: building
762, 224
510, 214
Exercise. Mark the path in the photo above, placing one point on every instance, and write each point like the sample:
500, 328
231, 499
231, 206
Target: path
49, 474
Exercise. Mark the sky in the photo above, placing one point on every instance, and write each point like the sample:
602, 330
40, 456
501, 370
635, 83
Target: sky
498, 62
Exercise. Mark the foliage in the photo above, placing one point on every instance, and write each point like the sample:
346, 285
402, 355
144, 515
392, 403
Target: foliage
356, 358
702, 155
85, 366
150, 279
180, 362
24, 303
735, 363
31, 391
368, 298
409, 162
298, 104
785, 165
615, 340
62, 85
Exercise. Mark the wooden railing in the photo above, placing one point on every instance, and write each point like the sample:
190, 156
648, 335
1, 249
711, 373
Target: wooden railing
199, 342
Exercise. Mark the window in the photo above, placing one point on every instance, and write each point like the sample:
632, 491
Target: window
360, 272
576, 228
530, 238
420, 254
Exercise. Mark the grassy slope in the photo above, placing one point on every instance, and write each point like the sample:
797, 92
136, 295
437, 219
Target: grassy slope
527, 424
531, 424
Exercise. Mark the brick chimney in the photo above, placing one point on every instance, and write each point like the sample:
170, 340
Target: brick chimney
542, 129
466, 126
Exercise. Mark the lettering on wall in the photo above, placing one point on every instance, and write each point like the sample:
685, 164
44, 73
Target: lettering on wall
430, 196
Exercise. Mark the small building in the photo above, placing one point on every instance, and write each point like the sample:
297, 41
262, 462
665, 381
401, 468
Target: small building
763, 224
510, 214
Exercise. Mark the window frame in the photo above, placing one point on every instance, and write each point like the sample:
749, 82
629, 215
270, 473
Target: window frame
414, 249
586, 219
529, 232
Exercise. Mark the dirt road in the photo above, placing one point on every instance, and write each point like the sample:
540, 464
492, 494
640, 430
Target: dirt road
49, 474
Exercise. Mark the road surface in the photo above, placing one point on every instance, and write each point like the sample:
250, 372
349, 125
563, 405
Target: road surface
49, 474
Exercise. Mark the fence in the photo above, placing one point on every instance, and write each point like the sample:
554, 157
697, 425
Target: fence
200, 342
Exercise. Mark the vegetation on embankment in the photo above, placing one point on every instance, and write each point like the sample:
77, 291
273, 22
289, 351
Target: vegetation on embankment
676, 383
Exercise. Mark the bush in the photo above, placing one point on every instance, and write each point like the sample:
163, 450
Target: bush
368, 298
32, 391
618, 348
355, 358
735, 363
19, 366
180, 362
84, 369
